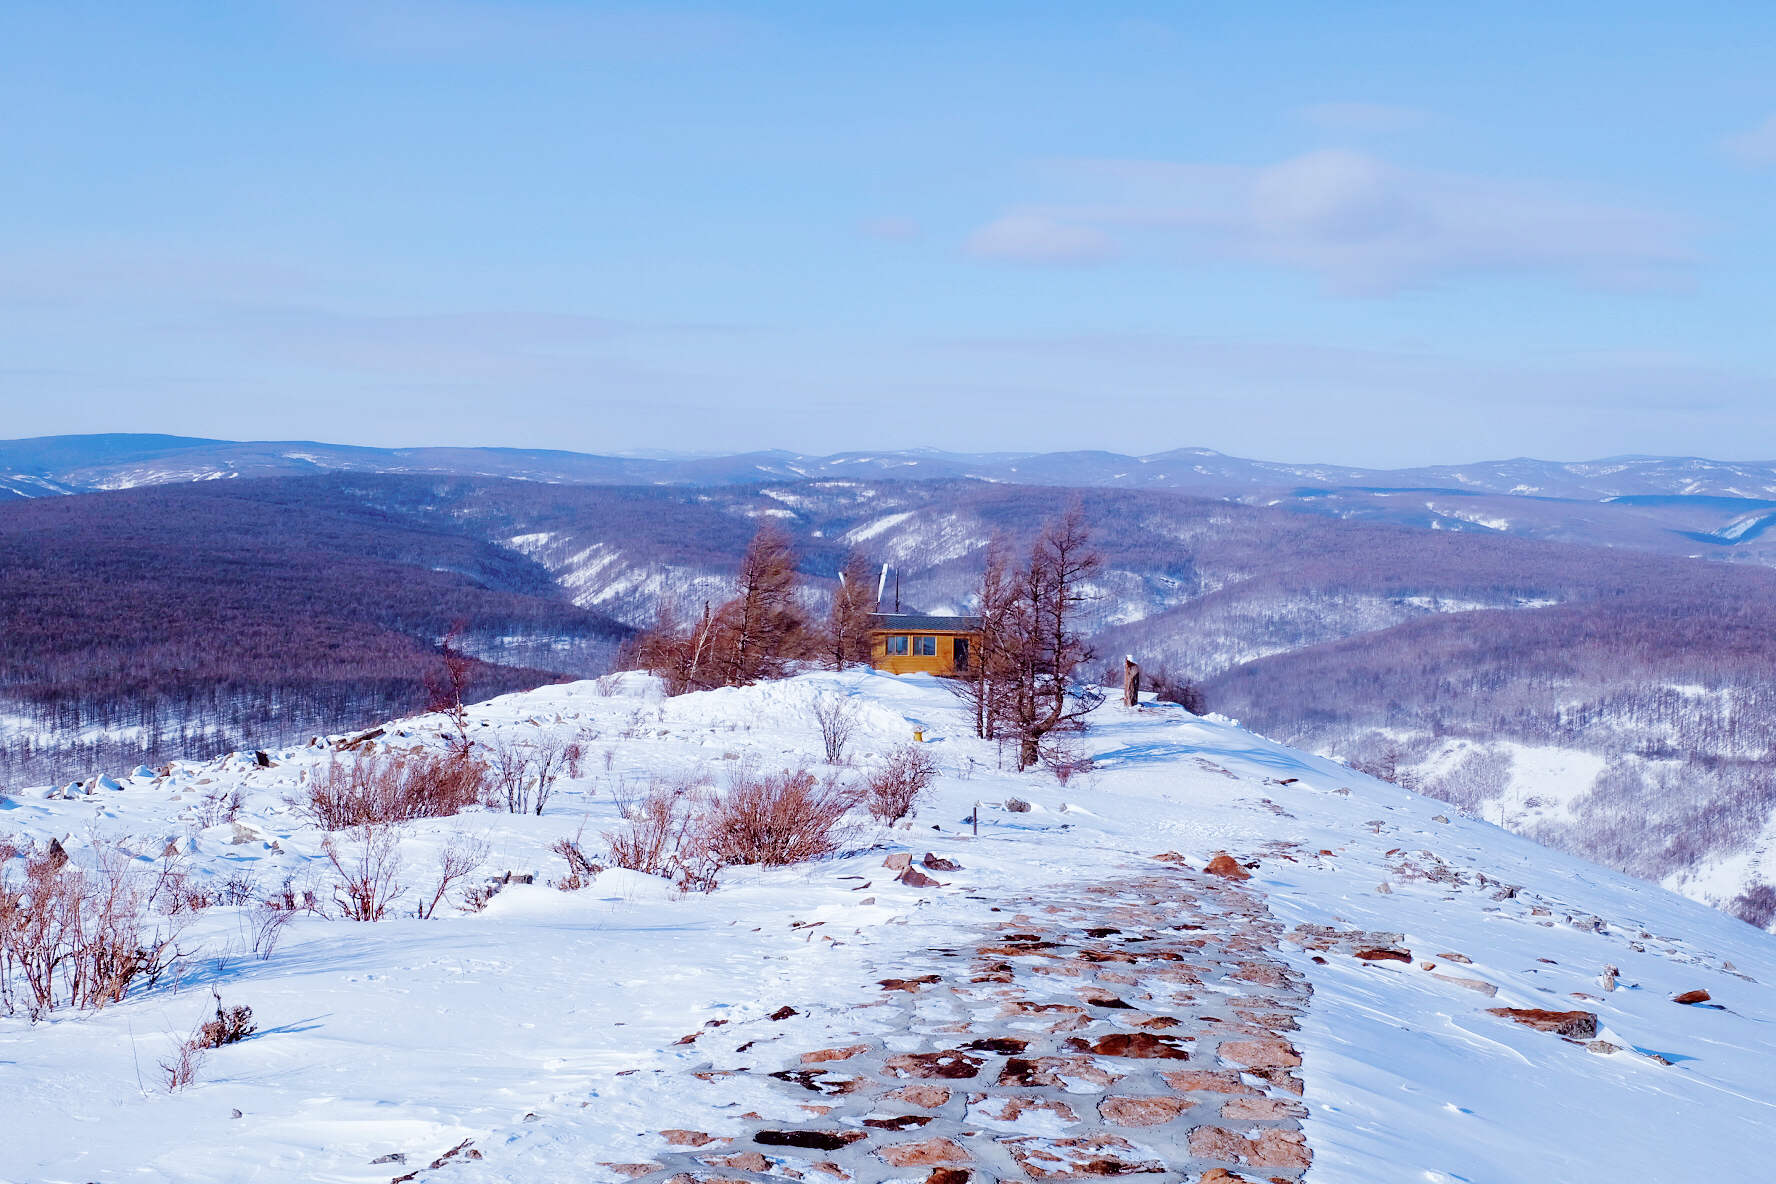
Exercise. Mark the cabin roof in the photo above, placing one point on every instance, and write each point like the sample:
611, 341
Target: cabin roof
921, 622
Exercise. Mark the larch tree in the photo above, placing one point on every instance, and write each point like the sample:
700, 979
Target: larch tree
847, 641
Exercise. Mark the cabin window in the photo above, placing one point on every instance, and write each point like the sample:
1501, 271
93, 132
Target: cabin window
925, 647
896, 645
961, 653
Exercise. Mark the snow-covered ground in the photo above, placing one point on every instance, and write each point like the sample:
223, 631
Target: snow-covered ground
543, 1028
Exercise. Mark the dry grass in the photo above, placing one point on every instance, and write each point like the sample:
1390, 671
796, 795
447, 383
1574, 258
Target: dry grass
893, 791
383, 787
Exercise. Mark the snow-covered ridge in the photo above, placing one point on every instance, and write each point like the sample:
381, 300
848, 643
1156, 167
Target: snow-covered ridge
546, 1027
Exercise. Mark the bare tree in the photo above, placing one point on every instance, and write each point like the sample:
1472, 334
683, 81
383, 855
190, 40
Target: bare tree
754, 636
894, 790
369, 871
847, 641
445, 686
989, 663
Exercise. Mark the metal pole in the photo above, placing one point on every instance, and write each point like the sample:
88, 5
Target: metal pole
977, 818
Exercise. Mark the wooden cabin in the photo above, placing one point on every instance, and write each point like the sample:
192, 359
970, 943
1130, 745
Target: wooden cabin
915, 643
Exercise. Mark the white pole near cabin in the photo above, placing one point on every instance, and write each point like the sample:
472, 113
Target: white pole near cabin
881, 587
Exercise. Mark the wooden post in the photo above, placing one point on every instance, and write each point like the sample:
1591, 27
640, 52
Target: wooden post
1131, 682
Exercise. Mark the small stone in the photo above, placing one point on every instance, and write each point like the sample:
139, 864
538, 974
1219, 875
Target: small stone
1603, 1047
938, 864
1692, 997
632, 1170
1385, 955
236, 1114
1462, 958
391, 1157
1385, 888
899, 861
783, 1013
1439, 818
912, 877
1472, 984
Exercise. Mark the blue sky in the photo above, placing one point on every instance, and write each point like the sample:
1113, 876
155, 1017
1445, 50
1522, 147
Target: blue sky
1371, 233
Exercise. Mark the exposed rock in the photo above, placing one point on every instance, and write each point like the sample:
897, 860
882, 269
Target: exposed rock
1142, 1045
1602, 1047
746, 1161
947, 1176
1218, 1081
1462, 958
912, 877
1579, 1025
950, 1063
1280, 1149
938, 864
928, 1096
900, 1122
1142, 1111
1228, 867
833, 1054
1213, 1142
928, 1152
783, 1013
899, 861
815, 1140
1260, 1054
1385, 955
687, 1138
1053, 1071
908, 984
633, 1170
1259, 1109
1009, 1108
1079, 1159
1472, 984
1692, 997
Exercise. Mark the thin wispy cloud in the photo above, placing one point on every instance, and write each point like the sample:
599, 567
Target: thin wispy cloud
1756, 147
1364, 226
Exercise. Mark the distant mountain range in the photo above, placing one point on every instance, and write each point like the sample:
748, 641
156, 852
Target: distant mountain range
1671, 505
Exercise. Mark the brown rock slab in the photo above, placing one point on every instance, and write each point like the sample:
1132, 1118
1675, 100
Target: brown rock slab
633, 1170
1228, 867
912, 877
1462, 958
930, 1097
950, 1063
922, 1154
1142, 1111
1053, 1071
678, 1138
833, 1054
1214, 1142
1260, 1109
1141, 1045
1385, 955
1079, 1159
1579, 1025
1261, 973
814, 1140
1280, 1149
900, 1122
908, 984
1260, 1054
948, 1176
1218, 1081
1012, 1107
899, 861
1692, 997
746, 1161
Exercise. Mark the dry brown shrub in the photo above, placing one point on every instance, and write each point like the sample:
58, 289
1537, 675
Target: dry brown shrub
776, 819
461, 856
664, 838
75, 937
582, 869
384, 787
893, 791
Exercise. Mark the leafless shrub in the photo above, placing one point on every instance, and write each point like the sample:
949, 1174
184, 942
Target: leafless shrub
265, 927
837, 717
606, 685
218, 806
380, 788
525, 773
236, 890
893, 791
662, 838
75, 937
181, 1070
369, 872
461, 856
581, 868
776, 819
1063, 759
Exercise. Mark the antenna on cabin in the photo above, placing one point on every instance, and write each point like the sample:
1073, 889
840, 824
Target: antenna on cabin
881, 586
